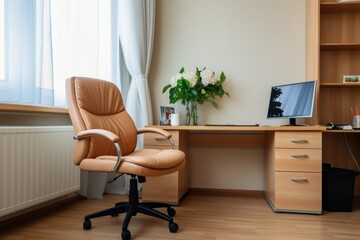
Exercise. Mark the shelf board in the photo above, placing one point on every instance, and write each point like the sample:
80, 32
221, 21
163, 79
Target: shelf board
341, 131
340, 85
339, 7
340, 46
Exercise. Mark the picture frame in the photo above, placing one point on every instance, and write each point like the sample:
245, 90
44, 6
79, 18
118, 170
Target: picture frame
351, 79
165, 111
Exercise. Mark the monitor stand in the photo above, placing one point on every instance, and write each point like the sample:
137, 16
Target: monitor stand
292, 122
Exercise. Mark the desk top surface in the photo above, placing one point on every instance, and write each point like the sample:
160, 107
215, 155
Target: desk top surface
242, 128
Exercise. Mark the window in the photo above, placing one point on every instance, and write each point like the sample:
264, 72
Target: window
47, 41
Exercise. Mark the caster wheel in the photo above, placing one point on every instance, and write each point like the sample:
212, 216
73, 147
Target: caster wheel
171, 211
125, 235
87, 225
173, 227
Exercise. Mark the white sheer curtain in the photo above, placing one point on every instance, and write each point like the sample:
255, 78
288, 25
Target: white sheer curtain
20, 41
82, 41
136, 28
44, 55
136, 19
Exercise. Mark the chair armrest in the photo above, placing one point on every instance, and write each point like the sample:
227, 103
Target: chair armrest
97, 132
103, 133
155, 130
162, 132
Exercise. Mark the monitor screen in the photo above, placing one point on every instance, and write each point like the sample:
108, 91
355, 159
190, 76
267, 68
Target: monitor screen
295, 100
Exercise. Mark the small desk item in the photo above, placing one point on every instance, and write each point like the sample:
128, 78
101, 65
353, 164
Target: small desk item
293, 162
174, 119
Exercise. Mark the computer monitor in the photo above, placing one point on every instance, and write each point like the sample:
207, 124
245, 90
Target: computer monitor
295, 100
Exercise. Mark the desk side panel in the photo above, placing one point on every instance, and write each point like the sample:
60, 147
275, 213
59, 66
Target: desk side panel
184, 174
168, 188
270, 166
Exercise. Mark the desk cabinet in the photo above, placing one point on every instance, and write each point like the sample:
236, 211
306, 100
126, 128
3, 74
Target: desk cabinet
295, 171
168, 188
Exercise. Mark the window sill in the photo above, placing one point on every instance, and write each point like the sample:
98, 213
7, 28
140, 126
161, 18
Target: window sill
9, 107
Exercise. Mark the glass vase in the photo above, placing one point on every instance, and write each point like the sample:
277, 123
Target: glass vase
191, 113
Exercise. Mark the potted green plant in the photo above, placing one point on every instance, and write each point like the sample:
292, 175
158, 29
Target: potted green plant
196, 87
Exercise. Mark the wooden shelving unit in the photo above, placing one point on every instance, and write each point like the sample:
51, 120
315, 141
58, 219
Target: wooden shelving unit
333, 50
340, 85
339, 52
339, 46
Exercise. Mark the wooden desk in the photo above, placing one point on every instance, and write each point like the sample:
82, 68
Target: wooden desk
293, 162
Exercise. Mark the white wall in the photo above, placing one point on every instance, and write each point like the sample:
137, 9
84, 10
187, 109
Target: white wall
257, 43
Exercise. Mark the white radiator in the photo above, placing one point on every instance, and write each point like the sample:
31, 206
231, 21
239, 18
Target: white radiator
36, 165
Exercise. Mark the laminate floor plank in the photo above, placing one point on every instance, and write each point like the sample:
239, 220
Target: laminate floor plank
199, 217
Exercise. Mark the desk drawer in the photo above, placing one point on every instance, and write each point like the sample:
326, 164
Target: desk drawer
153, 139
303, 160
298, 140
298, 191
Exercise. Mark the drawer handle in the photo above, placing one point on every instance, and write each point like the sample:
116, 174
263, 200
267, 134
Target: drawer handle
160, 138
299, 155
299, 179
167, 139
299, 141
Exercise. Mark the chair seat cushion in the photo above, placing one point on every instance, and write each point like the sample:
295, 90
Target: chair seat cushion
155, 158
144, 162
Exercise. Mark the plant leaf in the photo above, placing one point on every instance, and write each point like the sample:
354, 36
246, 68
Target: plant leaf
214, 104
166, 88
222, 77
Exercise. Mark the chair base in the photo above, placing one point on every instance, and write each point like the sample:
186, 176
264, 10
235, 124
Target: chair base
131, 208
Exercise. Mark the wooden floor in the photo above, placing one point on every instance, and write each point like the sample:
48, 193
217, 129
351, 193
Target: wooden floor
199, 217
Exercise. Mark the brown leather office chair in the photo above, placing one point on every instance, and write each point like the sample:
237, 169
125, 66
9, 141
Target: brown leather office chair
105, 141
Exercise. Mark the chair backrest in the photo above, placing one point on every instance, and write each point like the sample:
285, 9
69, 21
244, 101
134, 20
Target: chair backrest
97, 104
